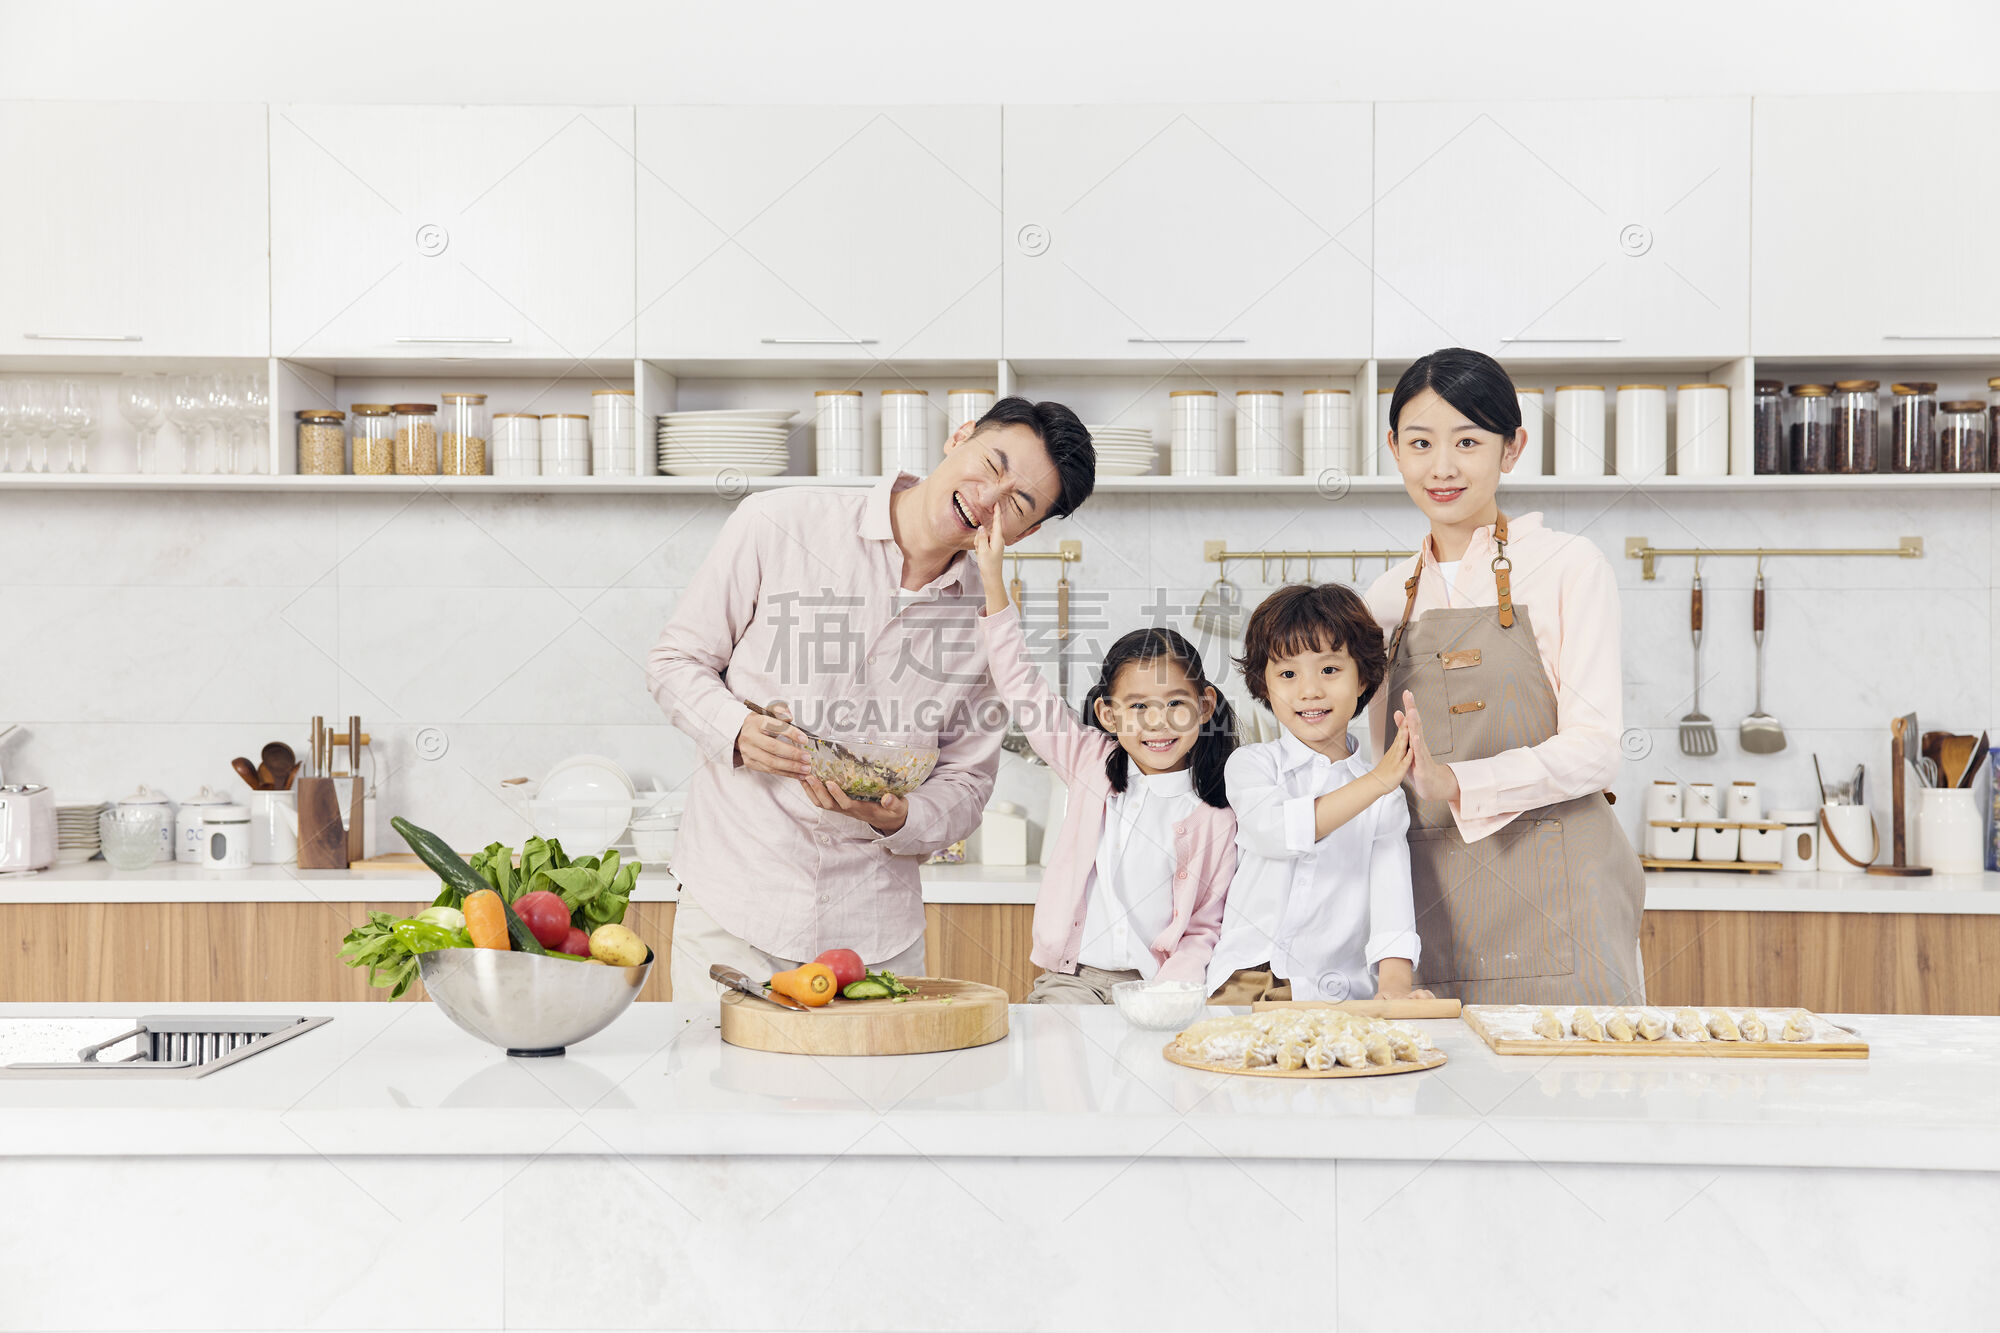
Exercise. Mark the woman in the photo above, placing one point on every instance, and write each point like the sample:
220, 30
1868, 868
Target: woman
1504, 665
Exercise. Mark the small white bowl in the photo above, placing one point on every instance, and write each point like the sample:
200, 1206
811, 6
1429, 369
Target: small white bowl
655, 847
1160, 1005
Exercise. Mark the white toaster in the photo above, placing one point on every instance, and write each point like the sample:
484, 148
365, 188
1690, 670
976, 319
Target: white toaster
27, 827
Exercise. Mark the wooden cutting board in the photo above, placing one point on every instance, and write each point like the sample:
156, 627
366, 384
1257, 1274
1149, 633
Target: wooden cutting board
1430, 1061
1390, 1009
1846, 1047
943, 1015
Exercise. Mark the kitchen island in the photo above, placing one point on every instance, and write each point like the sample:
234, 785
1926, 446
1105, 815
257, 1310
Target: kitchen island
387, 1171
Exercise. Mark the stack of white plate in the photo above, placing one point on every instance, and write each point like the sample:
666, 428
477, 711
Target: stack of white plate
1123, 451
76, 831
748, 440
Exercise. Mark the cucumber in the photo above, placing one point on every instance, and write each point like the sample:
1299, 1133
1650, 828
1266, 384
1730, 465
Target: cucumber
868, 988
461, 879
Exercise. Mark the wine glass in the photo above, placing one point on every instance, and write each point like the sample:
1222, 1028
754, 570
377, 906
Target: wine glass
77, 408
10, 425
187, 409
257, 417
38, 421
224, 412
142, 401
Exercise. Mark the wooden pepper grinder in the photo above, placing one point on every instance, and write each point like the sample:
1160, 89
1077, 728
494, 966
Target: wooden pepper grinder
322, 839
356, 819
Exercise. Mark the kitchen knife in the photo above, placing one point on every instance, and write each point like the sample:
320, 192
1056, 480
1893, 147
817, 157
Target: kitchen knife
736, 981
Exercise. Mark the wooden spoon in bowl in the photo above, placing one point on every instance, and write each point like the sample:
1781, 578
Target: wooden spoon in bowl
248, 772
282, 762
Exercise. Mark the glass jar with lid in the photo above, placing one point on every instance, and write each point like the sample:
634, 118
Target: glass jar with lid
416, 440
462, 435
1767, 430
1854, 416
374, 439
322, 442
1962, 436
1993, 419
1811, 429
1913, 427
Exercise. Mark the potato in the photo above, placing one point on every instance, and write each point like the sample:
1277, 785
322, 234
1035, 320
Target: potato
617, 946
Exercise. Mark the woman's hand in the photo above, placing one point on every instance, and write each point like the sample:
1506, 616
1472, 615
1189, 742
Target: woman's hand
990, 550
1433, 781
884, 816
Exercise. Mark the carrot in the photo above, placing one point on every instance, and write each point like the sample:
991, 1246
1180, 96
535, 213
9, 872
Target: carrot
813, 984
486, 920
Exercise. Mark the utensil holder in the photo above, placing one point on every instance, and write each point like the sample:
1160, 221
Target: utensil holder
322, 836
1951, 831
1847, 830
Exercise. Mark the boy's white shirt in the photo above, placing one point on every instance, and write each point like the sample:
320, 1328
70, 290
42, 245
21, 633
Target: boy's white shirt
1323, 911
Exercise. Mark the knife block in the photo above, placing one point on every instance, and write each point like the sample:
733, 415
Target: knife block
322, 836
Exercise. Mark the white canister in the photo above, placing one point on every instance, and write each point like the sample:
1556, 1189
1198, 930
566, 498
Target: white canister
1663, 801
1642, 431
1951, 831
1579, 439
274, 827
1849, 828
1533, 461
906, 432
225, 837
517, 444
1260, 433
1743, 803
187, 824
1705, 806
1003, 835
147, 799
1746, 807
565, 444
614, 433
963, 405
1701, 430
837, 433
1197, 445
1798, 847
1328, 431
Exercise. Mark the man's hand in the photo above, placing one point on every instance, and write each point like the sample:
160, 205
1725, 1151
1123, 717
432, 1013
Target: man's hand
767, 745
885, 816
989, 550
1433, 781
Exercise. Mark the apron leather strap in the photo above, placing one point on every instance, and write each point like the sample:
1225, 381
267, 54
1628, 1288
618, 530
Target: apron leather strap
1503, 569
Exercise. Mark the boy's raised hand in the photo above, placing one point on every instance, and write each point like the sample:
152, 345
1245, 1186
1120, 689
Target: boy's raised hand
990, 550
1395, 761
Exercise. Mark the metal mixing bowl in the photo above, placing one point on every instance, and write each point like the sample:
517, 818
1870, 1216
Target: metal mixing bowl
528, 1004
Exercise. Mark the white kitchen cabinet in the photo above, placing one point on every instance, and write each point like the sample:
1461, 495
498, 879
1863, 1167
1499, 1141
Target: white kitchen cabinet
842, 233
1563, 230
1873, 225
1209, 232
133, 229
432, 231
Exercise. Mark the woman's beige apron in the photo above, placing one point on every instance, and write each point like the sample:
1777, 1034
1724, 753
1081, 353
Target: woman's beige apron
1546, 910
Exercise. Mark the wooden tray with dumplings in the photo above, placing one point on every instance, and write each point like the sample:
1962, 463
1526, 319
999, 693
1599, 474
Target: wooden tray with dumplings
1532, 1029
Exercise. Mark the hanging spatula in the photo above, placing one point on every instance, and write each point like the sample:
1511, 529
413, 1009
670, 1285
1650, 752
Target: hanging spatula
1697, 732
1760, 733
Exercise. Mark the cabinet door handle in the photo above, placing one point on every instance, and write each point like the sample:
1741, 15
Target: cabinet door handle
819, 342
1940, 337
1187, 340
85, 337
1563, 340
454, 340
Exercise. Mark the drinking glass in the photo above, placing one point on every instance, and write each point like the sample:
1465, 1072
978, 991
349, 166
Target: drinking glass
38, 421
10, 427
142, 401
225, 416
257, 415
188, 409
77, 405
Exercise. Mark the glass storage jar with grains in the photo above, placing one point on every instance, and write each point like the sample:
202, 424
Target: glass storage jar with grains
374, 439
322, 442
1913, 427
1767, 429
1811, 431
416, 440
462, 435
1854, 415
1962, 436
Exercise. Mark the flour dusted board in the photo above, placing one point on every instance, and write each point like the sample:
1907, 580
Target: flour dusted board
943, 1015
1509, 1030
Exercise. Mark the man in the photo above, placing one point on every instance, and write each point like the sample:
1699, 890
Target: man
854, 613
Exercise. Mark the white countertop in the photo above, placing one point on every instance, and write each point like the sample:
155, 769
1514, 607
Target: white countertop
1666, 890
399, 1079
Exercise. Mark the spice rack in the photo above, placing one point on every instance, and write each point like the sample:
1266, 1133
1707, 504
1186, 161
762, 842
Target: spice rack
1751, 867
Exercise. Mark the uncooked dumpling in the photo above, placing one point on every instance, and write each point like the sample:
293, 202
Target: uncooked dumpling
1688, 1025
1585, 1024
1722, 1027
1549, 1025
1618, 1026
1652, 1025
1380, 1050
1798, 1026
1752, 1027
1411, 1045
1348, 1051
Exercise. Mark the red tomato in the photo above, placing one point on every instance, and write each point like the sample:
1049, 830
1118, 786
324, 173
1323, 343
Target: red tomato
575, 942
846, 965
546, 916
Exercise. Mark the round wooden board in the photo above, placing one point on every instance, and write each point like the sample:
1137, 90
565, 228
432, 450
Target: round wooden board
976, 1015
1435, 1059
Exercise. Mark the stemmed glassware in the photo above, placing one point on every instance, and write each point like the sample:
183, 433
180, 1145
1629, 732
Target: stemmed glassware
142, 401
10, 429
256, 407
188, 410
225, 415
76, 406
37, 411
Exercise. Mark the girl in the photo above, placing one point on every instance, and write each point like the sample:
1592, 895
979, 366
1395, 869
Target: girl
1504, 669
1134, 888
1320, 907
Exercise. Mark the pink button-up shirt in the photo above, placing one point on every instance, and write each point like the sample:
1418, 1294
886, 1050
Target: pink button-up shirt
1204, 851
801, 601
1572, 598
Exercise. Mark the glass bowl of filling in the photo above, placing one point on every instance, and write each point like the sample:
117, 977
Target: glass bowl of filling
1160, 1005
868, 771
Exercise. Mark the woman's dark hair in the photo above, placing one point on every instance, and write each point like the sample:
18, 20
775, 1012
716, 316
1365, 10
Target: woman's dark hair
1313, 617
1472, 382
1217, 737
1066, 440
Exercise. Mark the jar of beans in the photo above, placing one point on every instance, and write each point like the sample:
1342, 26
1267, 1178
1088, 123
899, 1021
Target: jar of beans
1962, 436
1811, 431
1993, 420
322, 442
1854, 409
1913, 427
1767, 430
416, 440
374, 439
462, 435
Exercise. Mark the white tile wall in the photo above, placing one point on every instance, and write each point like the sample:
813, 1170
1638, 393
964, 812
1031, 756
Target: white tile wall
152, 637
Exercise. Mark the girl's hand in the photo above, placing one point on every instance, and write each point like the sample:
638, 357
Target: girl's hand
1433, 781
990, 550
1395, 762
